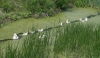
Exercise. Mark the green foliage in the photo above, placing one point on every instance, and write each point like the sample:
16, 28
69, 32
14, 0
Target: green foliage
64, 4
1, 2
2, 16
75, 40
44, 8
81, 3
8, 7
41, 6
24, 14
87, 3
18, 15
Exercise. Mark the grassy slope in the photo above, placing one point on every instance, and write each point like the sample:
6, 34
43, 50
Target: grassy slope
23, 25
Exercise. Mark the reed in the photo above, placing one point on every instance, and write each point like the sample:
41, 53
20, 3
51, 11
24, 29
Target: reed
70, 41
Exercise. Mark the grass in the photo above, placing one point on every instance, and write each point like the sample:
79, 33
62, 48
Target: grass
68, 42
71, 41
25, 24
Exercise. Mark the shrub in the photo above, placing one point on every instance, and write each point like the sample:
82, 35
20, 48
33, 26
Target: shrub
40, 6
8, 7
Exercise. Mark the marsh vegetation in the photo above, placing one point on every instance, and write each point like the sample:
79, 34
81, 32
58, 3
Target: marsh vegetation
71, 41
14, 10
76, 40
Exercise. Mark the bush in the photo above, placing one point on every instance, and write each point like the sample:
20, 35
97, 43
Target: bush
8, 7
40, 6
64, 4
18, 15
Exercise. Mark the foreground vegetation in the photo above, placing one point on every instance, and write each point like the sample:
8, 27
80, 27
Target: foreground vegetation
70, 41
17, 9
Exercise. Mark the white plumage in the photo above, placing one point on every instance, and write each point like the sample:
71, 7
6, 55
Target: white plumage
61, 24
67, 21
81, 20
32, 32
26, 33
40, 30
15, 36
86, 19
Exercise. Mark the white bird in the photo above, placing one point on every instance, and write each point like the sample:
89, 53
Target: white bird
32, 32
26, 33
86, 19
61, 24
40, 30
15, 36
67, 21
81, 20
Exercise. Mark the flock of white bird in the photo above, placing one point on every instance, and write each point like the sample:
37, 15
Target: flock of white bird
15, 36
86, 19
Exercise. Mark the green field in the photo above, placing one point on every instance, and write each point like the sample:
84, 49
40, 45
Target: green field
72, 41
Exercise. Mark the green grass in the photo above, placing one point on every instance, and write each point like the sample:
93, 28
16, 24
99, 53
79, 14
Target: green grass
78, 40
74, 47
72, 41
23, 25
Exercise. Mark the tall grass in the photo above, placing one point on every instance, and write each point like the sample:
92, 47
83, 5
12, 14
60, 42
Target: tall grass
87, 3
70, 41
80, 41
